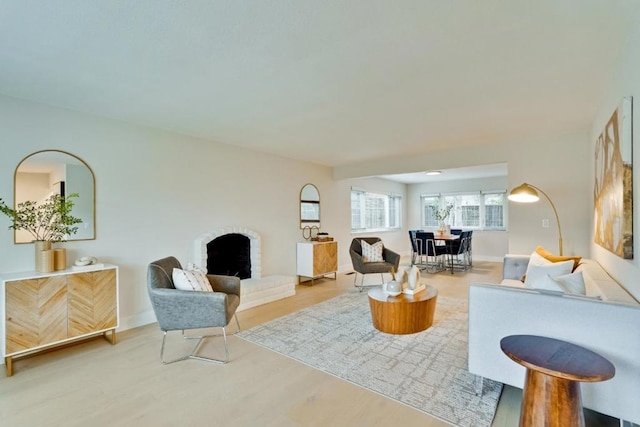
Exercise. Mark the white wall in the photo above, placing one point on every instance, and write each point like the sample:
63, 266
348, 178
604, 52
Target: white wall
558, 164
157, 191
624, 83
487, 245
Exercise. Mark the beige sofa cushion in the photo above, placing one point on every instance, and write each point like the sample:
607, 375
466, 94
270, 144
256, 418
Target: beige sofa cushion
599, 283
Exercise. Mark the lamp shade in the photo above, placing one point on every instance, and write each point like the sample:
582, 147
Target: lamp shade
524, 194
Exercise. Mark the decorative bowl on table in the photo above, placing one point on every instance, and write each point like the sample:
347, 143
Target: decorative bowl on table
392, 288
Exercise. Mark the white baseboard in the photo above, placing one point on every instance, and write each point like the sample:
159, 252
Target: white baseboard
499, 259
137, 320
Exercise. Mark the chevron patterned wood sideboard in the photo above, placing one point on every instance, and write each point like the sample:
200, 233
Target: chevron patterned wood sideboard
317, 259
45, 310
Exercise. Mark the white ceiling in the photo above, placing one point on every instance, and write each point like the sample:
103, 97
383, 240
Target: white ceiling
332, 82
453, 174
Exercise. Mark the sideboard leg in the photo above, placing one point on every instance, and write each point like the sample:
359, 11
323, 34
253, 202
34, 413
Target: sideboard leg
113, 338
8, 360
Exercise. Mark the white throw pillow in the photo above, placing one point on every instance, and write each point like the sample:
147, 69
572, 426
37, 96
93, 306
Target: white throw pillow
569, 283
192, 267
372, 253
535, 259
539, 272
193, 280
573, 283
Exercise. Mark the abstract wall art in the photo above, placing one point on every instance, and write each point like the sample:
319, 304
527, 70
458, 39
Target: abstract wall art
613, 195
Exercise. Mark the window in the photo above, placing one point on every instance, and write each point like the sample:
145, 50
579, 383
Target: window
429, 218
373, 211
465, 212
494, 211
477, 210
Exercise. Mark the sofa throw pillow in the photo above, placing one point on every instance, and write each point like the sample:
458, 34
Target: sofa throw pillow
538, 272
558, 258
568, 283
534, 260
192, 267
573, 283
372, 253
190, 280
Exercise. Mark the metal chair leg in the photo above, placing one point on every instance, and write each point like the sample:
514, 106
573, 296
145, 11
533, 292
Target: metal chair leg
355, 281
361, 286
192, 354
237, 323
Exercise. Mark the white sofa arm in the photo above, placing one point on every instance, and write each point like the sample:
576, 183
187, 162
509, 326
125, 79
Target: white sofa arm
514, 266
609, 329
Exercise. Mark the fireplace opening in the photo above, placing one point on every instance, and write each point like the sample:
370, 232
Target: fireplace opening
230, 255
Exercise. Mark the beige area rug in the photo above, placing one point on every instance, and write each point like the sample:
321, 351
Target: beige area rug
426, 371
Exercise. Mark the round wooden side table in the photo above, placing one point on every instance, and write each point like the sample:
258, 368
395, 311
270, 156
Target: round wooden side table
403, 314
555, 369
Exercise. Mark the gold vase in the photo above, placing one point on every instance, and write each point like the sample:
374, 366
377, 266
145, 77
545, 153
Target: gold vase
60, 258
42, 260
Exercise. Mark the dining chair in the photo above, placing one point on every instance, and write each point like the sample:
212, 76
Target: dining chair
430, 252
458, 249
469, 250
414, 246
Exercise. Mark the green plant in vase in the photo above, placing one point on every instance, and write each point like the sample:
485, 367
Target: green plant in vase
47, 222
441, 215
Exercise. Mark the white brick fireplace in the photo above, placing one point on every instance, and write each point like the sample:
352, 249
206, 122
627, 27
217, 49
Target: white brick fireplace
256, 290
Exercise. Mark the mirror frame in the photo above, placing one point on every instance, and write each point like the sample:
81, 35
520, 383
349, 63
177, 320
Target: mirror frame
309, 222
93, 184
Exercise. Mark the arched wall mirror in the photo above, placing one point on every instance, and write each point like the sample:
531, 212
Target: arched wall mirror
309, 206
47, 172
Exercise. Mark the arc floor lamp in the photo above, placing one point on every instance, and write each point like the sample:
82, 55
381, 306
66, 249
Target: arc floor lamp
528, 193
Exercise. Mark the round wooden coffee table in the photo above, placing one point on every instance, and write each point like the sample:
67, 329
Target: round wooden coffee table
404, 314
554, 369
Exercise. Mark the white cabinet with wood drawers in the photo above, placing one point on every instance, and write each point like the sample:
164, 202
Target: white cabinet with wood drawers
317, 259
44, 310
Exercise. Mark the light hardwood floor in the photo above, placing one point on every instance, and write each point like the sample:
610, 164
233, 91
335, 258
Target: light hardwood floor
96, 384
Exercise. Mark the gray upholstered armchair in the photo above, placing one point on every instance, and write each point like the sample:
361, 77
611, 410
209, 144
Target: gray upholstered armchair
181, 310
391, 261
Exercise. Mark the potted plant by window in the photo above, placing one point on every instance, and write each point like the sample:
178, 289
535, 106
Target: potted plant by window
441, 215
48, 222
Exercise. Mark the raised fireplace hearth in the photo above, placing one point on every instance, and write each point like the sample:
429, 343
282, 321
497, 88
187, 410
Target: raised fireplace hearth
235, 251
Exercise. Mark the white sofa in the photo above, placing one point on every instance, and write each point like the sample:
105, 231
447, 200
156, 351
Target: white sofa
610, 326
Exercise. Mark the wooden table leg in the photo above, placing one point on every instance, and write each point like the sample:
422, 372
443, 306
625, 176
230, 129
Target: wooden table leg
550, 401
